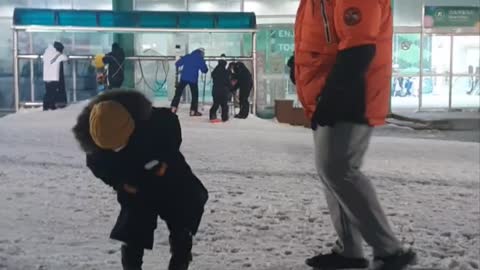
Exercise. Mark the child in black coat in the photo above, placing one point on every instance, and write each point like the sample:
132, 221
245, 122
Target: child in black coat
220, 91
134, 148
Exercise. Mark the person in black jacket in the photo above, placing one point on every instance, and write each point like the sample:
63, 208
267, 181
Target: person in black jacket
134, 148
291, 66
115, 60
61, 97
244, 82
221, 90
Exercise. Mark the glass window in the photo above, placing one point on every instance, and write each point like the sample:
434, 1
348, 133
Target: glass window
466, 70
436, 80
6, 67
91, 43
406, 53
64, 4
214, 5
404, 94
436, 52
93, 4
276, 20
271, 7
274, 47
156, 79
406, 69
7, 6
231, 44
435, 92
466, 91
165, 5
466, 54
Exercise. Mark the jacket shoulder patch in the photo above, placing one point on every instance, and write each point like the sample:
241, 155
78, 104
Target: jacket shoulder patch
352, 16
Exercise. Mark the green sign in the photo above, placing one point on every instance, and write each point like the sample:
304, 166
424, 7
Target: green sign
436, 16
282, 41
277, 44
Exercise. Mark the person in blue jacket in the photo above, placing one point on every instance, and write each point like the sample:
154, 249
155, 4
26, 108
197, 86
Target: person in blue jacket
192, 63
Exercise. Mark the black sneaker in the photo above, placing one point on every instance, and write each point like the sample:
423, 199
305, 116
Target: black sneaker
397, 261
335, 261
195, 113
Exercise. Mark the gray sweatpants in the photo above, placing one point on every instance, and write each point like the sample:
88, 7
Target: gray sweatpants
354, 208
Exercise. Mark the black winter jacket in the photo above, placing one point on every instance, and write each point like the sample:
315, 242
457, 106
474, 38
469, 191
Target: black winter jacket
115, 60
221, 80
178, 195
243, 76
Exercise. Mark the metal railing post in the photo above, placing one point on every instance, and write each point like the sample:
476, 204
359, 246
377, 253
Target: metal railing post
254, 52
16, 86
450, 84
74, 80
32, 71
420, 83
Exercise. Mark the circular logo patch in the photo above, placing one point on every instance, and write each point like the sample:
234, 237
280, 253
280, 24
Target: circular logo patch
352, 16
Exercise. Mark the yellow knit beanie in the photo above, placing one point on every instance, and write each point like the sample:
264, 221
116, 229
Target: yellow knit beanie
111, 125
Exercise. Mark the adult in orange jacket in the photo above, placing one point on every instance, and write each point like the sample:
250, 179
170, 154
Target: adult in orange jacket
343, 62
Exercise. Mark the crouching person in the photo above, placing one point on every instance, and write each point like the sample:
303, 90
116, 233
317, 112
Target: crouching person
135, 149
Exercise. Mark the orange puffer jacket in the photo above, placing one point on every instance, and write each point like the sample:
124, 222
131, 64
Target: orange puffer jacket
325, 28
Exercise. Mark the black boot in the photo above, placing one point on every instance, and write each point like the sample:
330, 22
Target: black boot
397, 261
132, 257
181, 249
336, 261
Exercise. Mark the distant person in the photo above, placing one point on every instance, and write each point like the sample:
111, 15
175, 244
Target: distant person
409, 86
231, 71
243, 81
220, 91
53, 76
474, 81
192, 63
135, 148
343, 81
290, 64
398, 87
115, 61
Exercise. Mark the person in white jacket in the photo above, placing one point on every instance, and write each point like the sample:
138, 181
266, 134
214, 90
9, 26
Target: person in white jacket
53, 59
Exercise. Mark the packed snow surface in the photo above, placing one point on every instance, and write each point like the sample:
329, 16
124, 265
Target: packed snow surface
266, 209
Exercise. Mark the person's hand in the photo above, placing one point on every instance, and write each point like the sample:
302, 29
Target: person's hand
162, 169
324, 114
130, 189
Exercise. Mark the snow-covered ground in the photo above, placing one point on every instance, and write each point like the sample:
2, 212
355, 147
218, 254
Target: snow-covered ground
266, 208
